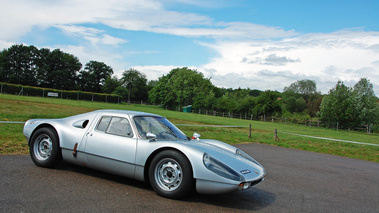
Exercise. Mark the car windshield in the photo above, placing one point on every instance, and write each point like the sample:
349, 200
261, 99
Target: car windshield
161, 127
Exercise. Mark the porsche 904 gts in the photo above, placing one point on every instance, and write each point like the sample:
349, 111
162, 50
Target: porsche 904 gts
145, 147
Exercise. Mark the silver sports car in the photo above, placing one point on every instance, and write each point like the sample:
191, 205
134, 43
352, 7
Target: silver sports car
145, 147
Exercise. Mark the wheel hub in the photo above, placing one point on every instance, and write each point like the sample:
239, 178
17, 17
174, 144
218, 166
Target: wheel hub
168, 175
43, 147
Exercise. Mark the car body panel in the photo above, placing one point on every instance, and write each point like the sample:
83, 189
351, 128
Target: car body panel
83, 143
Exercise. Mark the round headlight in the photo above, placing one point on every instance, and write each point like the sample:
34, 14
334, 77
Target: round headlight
206, 160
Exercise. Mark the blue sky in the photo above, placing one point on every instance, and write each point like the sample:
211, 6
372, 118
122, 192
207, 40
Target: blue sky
254, 44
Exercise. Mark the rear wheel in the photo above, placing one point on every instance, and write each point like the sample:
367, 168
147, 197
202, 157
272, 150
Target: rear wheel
44, 148
170, 174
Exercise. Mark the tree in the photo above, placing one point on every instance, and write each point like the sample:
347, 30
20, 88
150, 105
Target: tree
136, 84
268, 103
205, 100
27, 65
226, 103
44, 68
63, 70
93, 76
4, 73
235, 100
366, 102
246, 104
294, 105
110, 84
305, 89
350, 107
339, 106
18, 65
181, 87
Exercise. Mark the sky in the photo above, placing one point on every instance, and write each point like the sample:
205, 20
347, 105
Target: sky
256, 44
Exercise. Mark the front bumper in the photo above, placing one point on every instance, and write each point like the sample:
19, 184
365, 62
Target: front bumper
211, 187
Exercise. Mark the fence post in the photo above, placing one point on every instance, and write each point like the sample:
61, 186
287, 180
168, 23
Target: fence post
250, 131
1, 89
21, 92
337, 126
276, 135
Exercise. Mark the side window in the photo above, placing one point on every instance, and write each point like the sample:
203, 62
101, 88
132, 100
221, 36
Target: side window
103, 124
120, 126
115, 125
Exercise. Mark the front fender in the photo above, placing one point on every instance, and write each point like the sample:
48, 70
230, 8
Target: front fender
146, 150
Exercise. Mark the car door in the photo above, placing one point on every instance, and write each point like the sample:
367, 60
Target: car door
111, 146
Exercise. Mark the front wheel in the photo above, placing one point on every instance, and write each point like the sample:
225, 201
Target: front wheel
44, 148
170, 174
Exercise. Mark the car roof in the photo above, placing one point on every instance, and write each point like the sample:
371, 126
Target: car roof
131, 113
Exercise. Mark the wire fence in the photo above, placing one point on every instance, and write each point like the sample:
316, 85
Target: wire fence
276, 133
264, 118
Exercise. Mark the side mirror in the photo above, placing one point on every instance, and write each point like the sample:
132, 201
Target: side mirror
196, 136
150, 136
81, 124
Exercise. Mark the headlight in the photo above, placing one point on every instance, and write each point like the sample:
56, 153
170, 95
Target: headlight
243, 154
220, 168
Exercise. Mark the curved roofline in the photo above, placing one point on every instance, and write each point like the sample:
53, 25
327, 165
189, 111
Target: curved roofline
129, 112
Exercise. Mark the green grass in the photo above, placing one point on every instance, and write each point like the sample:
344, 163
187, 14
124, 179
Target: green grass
21, 108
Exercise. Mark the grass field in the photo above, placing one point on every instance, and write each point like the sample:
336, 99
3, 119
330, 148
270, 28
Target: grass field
22, 108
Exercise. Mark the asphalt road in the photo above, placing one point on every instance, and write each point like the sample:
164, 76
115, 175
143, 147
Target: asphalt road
297, 181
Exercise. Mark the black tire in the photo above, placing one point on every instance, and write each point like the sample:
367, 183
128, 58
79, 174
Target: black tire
44, 148
170, 174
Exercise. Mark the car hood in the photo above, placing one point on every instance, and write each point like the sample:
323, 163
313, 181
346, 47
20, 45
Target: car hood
250, 169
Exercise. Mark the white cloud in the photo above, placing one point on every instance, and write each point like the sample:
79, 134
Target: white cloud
85, 54
20, 16
94, 36
17, 18
345, 55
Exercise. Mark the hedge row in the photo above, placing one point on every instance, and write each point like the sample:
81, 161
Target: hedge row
15, 89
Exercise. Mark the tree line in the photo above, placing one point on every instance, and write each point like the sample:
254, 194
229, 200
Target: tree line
350, 107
